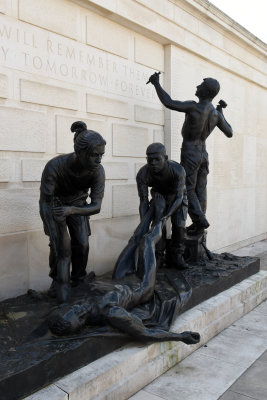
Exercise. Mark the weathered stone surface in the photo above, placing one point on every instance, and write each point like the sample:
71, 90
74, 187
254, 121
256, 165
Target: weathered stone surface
113, 37
3, 86
125, 200
55, 96
13, 263
32, 169
149, 115
163, 7
38, 261
65, 136
19, 210
248, 157
3, 6
116, 170
5, 165
51, 392
183, 18
260, 208
57, 16
107, 106
149, 53
28, 130
242, 221
158, 136
106, 207
129, 141
138, 166
112, 234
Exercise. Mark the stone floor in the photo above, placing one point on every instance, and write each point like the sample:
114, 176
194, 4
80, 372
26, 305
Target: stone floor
231, 366
258, 249
252, 384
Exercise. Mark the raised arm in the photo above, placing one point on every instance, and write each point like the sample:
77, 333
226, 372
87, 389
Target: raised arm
167, 101
222, 124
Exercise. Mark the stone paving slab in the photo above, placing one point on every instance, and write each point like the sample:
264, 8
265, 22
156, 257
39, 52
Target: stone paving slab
222, 367
254, 324
196, 377
255, 249
262, 308
264, 262
143, 395
252, 384
232, 346
50, 392
258, 249
229, 395
263, 358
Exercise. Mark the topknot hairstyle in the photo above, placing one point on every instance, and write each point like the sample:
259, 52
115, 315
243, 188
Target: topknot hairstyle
85, 140
78, 127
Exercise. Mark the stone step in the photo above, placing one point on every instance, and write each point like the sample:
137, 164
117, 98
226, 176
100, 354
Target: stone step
120, 374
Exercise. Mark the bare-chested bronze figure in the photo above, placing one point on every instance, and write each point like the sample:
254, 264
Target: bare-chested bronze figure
200, 120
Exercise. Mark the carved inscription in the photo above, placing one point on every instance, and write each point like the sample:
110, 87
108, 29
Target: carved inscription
37, 51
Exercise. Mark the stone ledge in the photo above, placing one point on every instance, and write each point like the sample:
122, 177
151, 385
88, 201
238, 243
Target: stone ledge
125, 371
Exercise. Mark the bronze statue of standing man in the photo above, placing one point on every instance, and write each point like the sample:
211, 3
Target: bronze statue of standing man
200, 120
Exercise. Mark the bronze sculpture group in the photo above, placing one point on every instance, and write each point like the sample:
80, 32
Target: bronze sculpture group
175, 188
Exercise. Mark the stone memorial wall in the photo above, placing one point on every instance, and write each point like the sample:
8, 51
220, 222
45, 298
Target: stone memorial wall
63, 60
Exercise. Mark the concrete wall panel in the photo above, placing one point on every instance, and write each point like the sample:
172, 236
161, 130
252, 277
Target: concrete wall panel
22, 130
3, 86
113, 38
125, 200
130, 141
55, 15
5, 166
107, 106
54, 96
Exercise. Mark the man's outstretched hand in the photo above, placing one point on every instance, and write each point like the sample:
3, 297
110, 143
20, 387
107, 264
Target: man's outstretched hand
154, 78
190, 337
